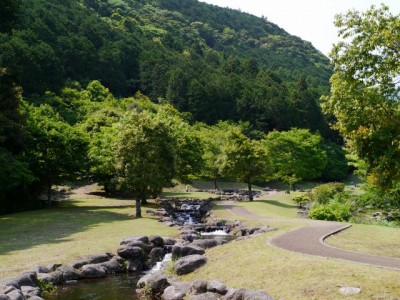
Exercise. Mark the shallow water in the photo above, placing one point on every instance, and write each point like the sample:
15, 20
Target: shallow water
118, 287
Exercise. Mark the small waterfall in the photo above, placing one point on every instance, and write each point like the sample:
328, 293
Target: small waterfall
161, 265
216, 232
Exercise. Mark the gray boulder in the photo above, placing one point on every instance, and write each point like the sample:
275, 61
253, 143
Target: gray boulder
91, 259
199, 286
115, 265
93, 271
45, 277
16, 295
346, 291
30, 291
156, 282
207, 243
36, 298
28, 279
145, 247
157, 254
206, 296
157, 240
185, 250
53, 267
5, 289
4, 297
177, 291
189, 263
134, 265
264, 229
131, 239
56, 277
131, 252
169, 241
217, 287
245, 294
10, 281
69, 273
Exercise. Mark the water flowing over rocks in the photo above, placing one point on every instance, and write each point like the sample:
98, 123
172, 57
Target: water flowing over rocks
150, 254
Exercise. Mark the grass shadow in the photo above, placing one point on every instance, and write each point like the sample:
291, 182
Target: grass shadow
53, 225
276, 203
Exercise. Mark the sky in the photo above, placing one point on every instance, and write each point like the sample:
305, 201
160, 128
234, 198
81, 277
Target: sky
312, 20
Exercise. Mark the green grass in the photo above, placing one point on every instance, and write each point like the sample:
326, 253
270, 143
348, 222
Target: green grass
90, 225
286, 275
371, 239
76, 228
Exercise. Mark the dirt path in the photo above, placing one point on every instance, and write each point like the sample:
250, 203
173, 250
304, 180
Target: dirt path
310, 240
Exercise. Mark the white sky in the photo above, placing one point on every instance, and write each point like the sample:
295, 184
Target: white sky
312, 20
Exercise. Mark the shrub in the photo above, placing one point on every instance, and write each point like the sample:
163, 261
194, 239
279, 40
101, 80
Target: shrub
323, 193
332, 211
301, 200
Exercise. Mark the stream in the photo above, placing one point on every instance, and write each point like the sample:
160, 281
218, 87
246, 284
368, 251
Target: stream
123, 286
118, 287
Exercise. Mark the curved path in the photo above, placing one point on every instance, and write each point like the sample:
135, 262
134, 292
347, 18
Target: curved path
310, 240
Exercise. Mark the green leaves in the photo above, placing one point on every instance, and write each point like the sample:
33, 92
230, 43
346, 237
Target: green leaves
244, 159
296, 155
145, 158
56, 150
365, 90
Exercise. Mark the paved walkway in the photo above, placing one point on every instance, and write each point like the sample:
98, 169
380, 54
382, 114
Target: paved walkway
310, 240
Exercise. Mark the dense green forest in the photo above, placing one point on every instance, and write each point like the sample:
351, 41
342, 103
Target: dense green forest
80, 80
216, 63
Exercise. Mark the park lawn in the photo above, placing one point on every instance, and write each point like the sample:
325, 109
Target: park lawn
371, 239
70, 231
92, 225
278, 205
254, 264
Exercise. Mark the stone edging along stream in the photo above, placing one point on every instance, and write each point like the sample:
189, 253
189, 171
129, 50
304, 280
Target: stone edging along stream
138, 254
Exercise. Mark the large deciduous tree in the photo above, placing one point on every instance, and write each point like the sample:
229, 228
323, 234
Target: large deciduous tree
145, 157
365, 90
245, 160
296, 155
56, 150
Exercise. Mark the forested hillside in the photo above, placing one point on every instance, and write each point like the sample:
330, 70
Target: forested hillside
216, 63
104, 90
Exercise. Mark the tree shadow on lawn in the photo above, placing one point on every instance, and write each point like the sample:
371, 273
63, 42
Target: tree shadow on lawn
53, 225
270, 202
276, 203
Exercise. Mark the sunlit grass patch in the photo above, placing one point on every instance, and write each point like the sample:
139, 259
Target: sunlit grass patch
371, 239
286, 275
74, 229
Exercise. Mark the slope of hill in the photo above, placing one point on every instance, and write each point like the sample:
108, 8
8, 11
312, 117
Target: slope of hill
214, 62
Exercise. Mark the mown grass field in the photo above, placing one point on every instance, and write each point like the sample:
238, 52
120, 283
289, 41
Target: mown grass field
86, 225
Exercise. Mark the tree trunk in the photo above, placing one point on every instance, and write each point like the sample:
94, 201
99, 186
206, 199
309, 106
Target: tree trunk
138, 208
49, 193
250, 193
215, 183
144, 199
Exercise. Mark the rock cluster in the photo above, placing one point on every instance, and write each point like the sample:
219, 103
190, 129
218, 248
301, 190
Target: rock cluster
141, 253
135, 254
232, 194
160, 286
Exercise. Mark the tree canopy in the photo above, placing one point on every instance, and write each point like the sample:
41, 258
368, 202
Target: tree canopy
364, 94
144, 156
296, 155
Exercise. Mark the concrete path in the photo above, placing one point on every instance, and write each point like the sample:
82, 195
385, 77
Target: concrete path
310, 240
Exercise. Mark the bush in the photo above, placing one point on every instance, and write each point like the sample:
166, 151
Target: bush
301, 200
332, 211
323, 193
